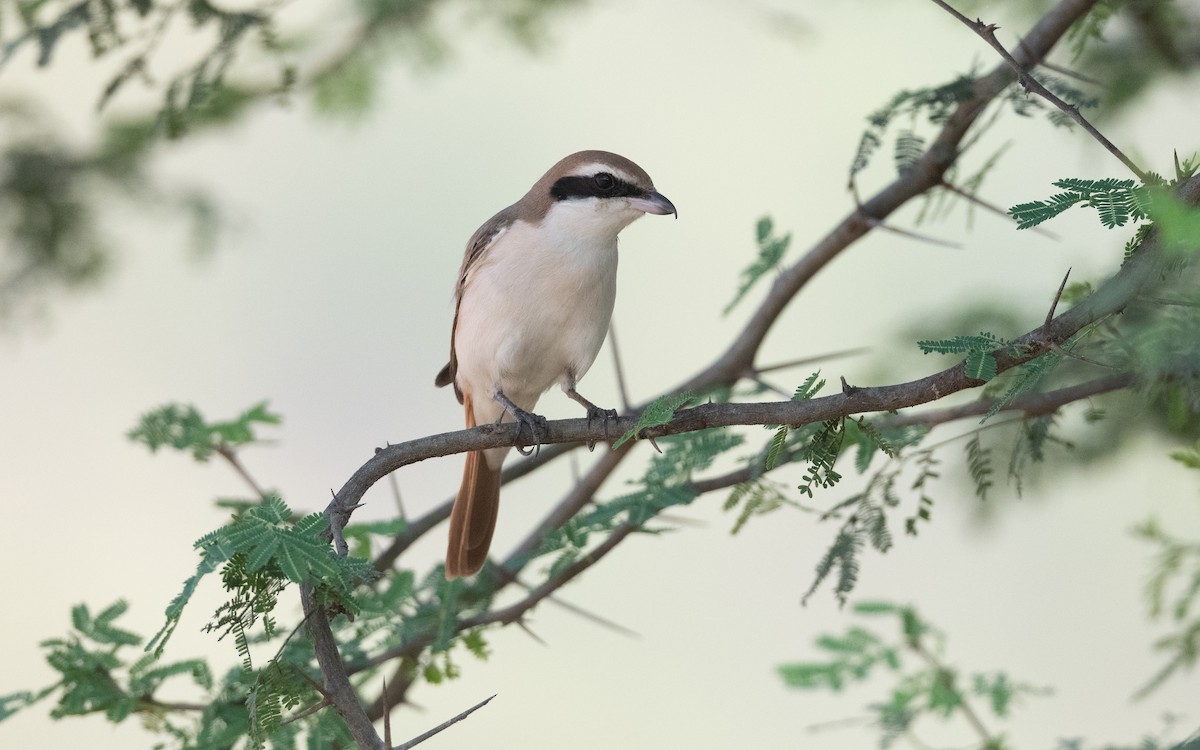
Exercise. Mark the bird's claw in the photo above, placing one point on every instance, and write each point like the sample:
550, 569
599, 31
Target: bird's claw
595, 412
536, 424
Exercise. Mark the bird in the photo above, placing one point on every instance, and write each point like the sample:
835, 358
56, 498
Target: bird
533, 301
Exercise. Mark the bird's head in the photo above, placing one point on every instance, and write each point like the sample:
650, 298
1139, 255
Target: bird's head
597, 191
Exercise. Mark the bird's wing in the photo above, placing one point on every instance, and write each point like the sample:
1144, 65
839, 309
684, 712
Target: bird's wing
477, 247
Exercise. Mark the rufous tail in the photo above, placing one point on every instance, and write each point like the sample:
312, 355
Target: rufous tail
473, 518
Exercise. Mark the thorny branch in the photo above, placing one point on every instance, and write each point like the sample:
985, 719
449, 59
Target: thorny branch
987, 32
739, 359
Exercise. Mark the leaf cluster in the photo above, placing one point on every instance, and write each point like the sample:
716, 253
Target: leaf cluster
866, 512
260, 552
929, 690
923, 108
771, 249
667, 482
97, 673
137, 27
182, 427
1117, 202
1090, 29
980, 363
1173, 591
933, 104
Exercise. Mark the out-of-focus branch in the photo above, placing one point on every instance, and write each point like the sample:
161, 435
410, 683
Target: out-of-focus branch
987, 32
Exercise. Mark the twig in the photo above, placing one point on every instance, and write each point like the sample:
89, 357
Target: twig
579, 496
153, 704
520, 623
396, 496
618, 366
994, 209
1068, 72
878, 224
231, 457
1031, 405
387, 716
513, 612
421, 526
306, 711
574, 608
947, 677
987, 32
443, 726
809, 360
766, 386
1164, 301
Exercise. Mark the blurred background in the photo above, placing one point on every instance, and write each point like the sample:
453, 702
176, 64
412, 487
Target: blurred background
302, 247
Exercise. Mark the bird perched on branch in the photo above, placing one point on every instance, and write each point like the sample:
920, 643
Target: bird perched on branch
533, 302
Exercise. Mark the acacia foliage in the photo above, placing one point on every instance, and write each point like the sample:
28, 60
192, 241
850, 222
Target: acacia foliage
417, 625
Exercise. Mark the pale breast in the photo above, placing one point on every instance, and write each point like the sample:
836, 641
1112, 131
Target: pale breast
534, 312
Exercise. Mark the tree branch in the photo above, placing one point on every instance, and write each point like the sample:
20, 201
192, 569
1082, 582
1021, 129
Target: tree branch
987, 32
443, 726
340, 692
1109, 298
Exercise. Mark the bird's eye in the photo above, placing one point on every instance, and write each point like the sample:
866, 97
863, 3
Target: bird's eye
604, 182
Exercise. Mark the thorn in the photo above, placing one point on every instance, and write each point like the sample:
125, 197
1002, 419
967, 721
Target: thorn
847, 389
878, 224
654, 444
521, 624
1054, 304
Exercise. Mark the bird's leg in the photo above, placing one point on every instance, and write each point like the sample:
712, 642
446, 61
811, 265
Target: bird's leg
535, 422
593, 411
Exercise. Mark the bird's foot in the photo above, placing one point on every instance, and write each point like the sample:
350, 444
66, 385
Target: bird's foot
535, 423
537, 427
593, 412
605, 415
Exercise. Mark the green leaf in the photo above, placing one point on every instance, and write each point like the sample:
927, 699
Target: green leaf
979, 464
822, 453
1116, 202
658, 413
1178, 222
181, 426
984, 342
1029, 376
910, 147
775, 448
842, 555
809, 388
874, 608
980, 365
770, 252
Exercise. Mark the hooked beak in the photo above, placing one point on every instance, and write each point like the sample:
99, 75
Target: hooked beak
654, 202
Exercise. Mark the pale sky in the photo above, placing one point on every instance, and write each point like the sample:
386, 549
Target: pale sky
331, 298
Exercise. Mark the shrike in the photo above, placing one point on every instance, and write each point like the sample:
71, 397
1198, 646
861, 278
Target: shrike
533, 302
